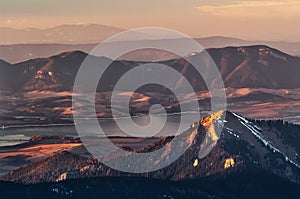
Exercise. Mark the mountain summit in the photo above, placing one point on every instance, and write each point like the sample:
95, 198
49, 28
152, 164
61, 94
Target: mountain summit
245, 146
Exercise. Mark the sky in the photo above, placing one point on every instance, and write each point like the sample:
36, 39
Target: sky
247, 19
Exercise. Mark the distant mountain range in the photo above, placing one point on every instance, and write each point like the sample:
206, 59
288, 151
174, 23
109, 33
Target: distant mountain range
66, 34
18, 45
240, 67
254, 76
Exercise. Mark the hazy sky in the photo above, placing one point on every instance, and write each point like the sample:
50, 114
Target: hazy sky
264, 20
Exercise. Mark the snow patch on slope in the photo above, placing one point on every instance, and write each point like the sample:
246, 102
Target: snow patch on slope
230, 131
256, 132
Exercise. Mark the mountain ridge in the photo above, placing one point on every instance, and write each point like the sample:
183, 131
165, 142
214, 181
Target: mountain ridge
27, 51
243, 146
251, 66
